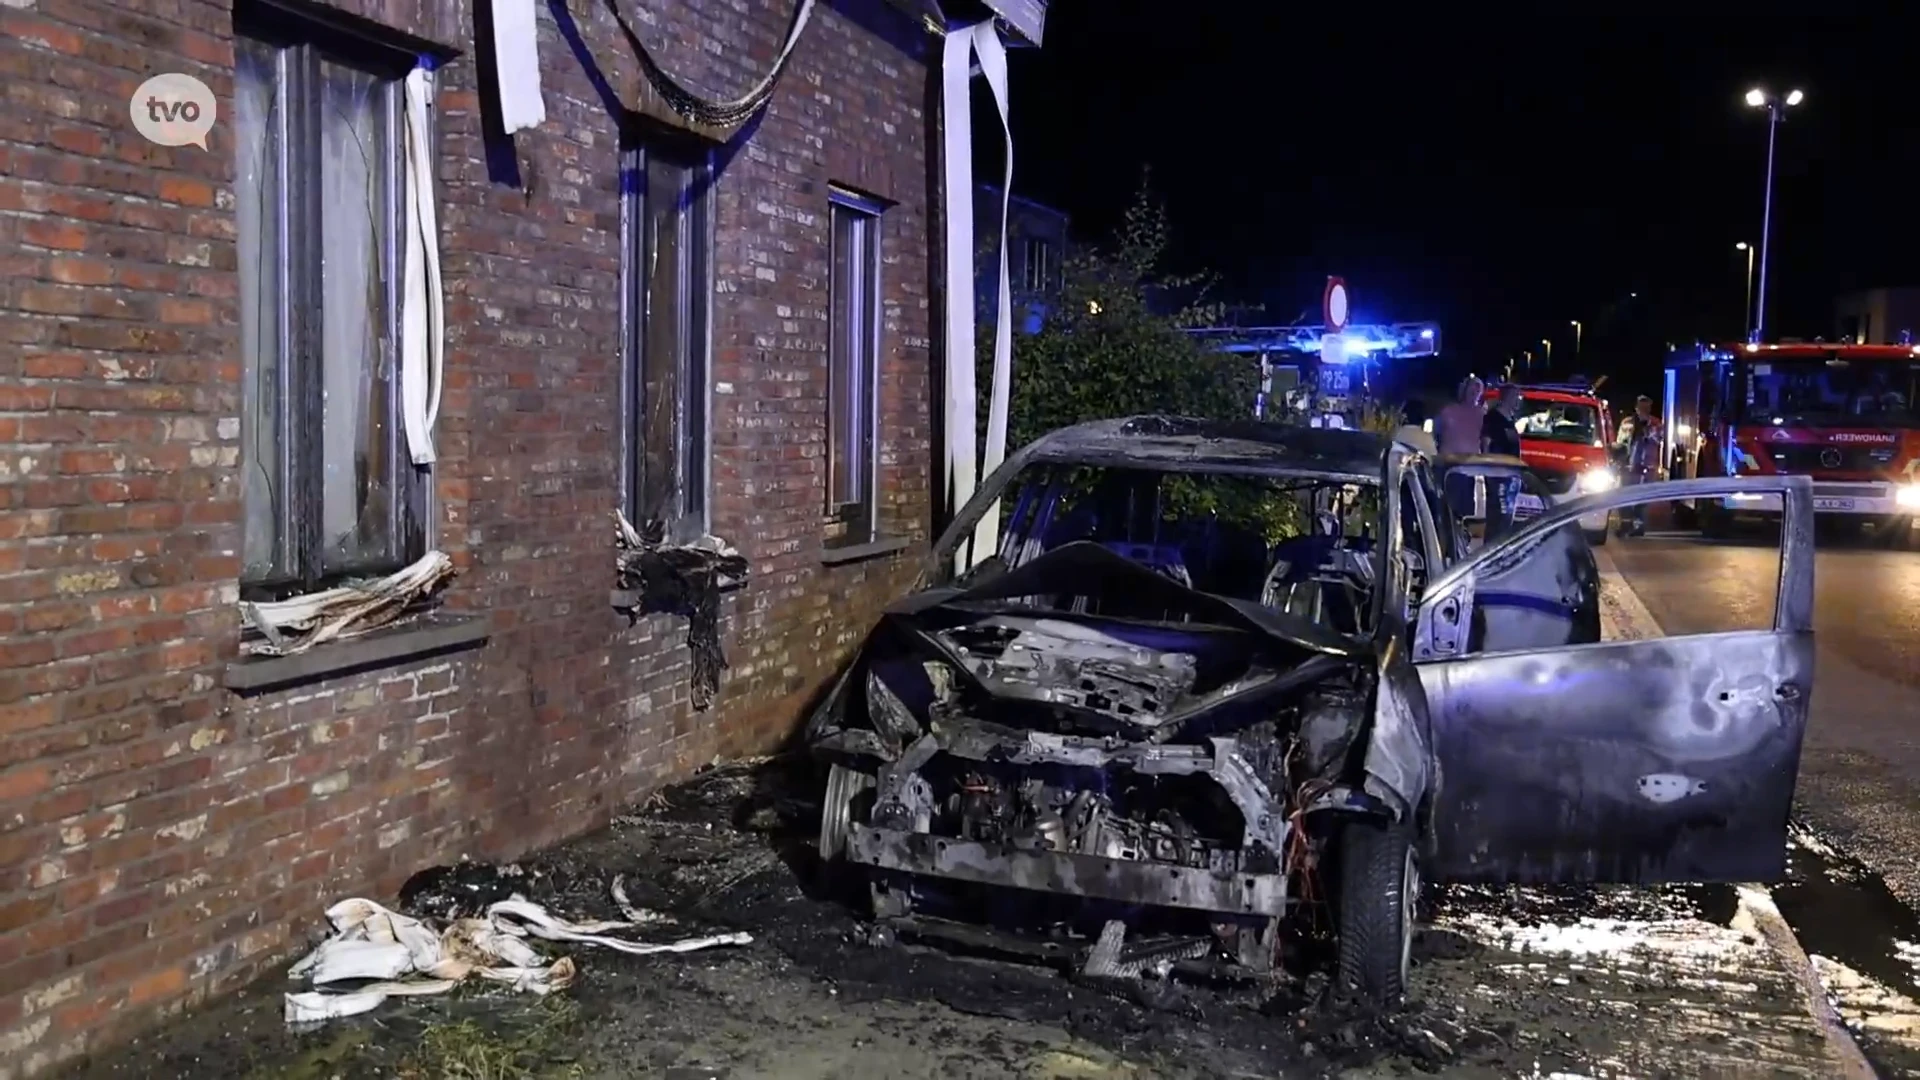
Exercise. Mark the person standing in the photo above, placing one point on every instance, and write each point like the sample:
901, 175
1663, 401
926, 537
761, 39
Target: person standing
1499, 434
1458, 431
1638, 447
1415, 430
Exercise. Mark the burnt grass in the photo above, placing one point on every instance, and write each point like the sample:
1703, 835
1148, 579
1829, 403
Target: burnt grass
732, 849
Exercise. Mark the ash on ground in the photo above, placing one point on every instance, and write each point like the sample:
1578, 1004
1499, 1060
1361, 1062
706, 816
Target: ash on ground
819, 994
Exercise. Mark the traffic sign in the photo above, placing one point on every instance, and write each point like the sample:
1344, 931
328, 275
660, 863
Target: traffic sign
1333, 305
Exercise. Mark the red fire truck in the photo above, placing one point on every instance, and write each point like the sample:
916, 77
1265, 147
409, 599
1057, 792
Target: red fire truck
1846, 415
1565, 435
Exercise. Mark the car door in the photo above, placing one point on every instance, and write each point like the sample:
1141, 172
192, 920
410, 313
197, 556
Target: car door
1641, 761
1551, 599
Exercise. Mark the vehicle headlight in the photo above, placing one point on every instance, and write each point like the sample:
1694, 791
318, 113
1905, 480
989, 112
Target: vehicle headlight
1907, 496
1595, 481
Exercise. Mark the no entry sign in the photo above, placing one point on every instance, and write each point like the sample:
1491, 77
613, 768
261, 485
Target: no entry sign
1333, 306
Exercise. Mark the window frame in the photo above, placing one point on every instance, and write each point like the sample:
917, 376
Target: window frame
1038, 249
692, 509
300, 44
859, 518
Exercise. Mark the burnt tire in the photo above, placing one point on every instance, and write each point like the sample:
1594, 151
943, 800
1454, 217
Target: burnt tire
1379, 892
838, 807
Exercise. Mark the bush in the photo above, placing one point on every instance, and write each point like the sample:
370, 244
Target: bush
1102, 350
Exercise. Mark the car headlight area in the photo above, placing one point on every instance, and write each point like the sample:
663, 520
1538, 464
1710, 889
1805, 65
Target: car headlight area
1907, 496
1595, 481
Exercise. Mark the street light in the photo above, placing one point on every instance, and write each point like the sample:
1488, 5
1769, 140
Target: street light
1548, 346
1776, 112
1576, 339
1746, 313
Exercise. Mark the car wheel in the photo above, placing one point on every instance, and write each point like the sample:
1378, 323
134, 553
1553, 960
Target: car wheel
837, 809
1596, 537
1379, 892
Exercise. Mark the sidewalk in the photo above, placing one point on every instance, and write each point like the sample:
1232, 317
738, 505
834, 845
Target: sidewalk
1506, 983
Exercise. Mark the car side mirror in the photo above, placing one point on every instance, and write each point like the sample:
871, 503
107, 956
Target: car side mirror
1441, 623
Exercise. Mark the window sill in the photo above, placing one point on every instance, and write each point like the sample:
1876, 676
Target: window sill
872, 549
427, 636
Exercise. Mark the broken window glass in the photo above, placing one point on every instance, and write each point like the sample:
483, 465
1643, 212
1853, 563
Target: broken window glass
329, 493
666, 257
258, 147
853, 366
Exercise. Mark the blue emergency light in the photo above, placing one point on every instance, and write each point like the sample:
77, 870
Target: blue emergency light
1375, 341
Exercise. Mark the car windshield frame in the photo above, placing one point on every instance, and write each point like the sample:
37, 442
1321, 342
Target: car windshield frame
1779, 390
1532, 405
943, 572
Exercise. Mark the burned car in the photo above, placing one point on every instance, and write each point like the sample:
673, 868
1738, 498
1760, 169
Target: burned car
1211, 677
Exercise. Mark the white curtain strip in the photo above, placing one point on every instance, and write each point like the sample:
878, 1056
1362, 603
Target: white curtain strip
962, 457
993, 64
423, 310
516, 57
962, 391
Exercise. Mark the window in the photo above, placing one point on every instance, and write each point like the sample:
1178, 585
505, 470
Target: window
666, 280
853, 361
1037, 274
1559, 421
329, 491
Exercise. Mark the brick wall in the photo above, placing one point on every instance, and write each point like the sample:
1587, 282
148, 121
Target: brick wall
163, 838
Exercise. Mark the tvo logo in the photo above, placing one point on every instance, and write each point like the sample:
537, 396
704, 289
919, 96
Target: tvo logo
174, 110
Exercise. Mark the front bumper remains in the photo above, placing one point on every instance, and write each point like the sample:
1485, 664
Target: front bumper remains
1870, 499
1124, 880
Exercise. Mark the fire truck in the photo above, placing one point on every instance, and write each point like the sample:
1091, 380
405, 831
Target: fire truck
1325, 377
1842, 414
1566, 432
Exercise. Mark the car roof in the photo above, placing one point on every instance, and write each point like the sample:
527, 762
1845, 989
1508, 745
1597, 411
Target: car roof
1557, 393
1174, 443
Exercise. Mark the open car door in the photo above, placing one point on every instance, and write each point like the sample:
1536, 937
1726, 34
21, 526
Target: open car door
1664, 760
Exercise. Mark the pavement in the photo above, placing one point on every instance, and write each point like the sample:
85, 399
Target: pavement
1534, 983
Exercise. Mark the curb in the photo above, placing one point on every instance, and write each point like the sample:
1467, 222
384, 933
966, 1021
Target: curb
1758, 906
1624, 616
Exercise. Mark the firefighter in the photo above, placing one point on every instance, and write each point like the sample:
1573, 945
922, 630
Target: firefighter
1638, 447
1500, 435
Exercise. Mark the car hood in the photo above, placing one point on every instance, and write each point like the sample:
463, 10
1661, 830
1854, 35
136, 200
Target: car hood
1085, 568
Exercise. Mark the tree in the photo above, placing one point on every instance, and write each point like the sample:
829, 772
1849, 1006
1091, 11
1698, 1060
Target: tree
1104, 351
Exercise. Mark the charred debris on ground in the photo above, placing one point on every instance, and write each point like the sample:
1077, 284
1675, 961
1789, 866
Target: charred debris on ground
732, 849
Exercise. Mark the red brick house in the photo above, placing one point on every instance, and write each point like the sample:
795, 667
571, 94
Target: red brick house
205, 358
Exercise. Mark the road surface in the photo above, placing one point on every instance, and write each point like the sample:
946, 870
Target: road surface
1860, 774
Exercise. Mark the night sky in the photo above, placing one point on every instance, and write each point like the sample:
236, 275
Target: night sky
1502, 178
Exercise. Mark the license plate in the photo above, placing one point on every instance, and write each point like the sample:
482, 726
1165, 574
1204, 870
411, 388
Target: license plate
1833, 504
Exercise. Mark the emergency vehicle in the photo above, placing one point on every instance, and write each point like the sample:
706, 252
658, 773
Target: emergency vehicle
1301, 375
1566, 436
1842, 414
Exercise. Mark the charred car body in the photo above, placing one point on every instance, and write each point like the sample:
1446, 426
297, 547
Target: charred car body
1142, 704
